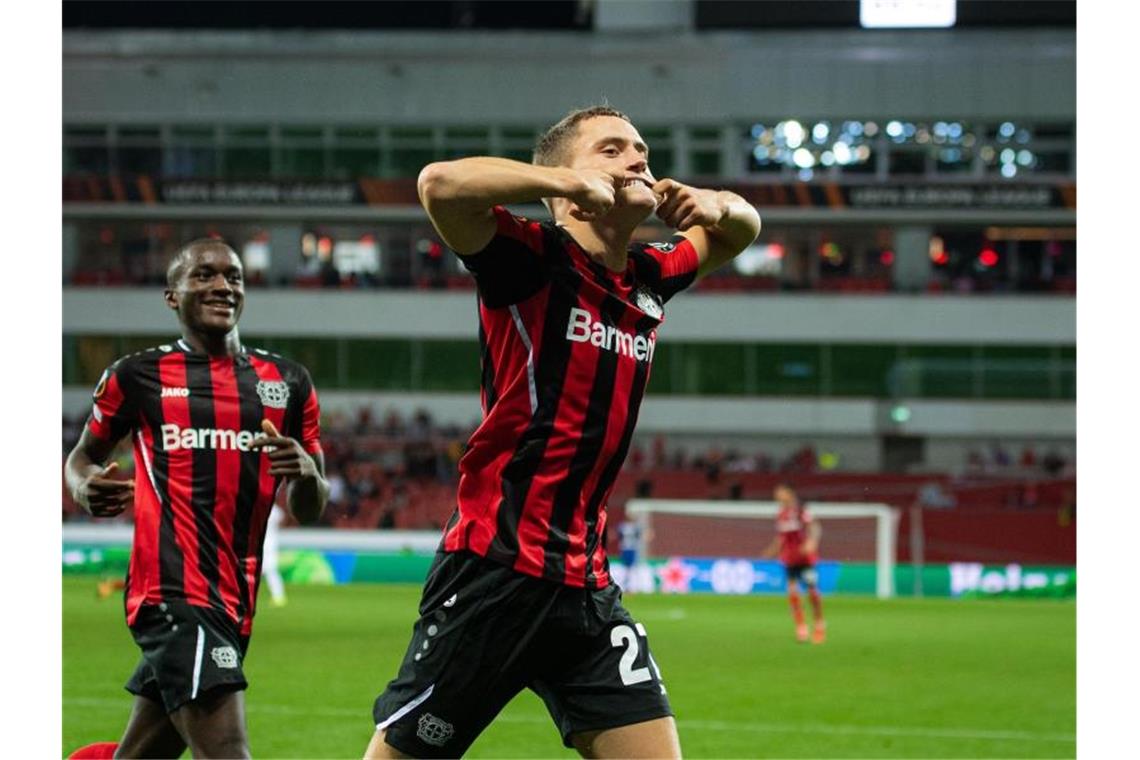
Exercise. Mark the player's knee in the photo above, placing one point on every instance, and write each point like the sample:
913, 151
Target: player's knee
232, 743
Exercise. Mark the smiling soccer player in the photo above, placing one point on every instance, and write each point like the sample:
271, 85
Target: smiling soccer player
204, 413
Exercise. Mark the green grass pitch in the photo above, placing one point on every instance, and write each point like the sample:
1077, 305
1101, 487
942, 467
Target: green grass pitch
904, 678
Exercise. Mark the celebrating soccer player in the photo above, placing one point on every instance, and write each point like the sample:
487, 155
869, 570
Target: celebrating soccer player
204, 413
797, 539
520, 594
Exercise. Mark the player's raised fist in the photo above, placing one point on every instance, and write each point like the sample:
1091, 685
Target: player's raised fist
596, 194
683, 207
102, 495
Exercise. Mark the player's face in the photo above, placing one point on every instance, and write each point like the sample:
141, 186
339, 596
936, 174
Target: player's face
785, 497
210, 295
615, 146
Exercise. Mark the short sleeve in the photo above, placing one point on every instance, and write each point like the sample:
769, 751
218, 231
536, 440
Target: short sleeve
512, 266
310, 415
115, 410
667, 268
806, 517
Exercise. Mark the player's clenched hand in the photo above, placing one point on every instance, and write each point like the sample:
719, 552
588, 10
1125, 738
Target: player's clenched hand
683, 207
286, 457
595, 196
103, 496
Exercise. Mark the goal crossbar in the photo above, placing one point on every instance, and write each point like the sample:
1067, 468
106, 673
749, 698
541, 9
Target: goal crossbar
886, 521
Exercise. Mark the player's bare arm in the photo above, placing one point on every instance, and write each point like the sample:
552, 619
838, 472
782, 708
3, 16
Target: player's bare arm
458, 195
720, 224
771, 549
90, 479
308, 490
815, 531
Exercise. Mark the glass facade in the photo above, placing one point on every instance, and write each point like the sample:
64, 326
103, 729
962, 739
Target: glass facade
679, 368
822, 257
782, 150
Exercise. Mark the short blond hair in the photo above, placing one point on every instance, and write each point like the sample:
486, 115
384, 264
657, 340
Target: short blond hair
553, 148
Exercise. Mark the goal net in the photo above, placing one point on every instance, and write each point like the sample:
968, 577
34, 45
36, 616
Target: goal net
852, 532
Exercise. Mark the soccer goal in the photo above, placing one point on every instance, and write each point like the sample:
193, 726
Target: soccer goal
852, 531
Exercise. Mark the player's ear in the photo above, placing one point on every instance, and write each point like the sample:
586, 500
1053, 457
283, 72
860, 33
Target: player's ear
170, 298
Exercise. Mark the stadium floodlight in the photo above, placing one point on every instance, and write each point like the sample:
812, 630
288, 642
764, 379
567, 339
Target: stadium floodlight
653, 516
907, 14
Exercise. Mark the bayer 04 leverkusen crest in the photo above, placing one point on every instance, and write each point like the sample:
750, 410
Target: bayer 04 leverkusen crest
273, 393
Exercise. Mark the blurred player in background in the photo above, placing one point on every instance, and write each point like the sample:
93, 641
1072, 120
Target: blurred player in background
271, 549
637, 574
797, 540
204, 413
629, 543
519, 594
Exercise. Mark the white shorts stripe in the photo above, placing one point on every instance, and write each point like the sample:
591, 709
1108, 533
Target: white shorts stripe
406, 709
198, 662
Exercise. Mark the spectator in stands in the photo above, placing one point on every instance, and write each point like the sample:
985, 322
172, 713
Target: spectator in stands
329, 275
932, 495
659, 454
636, 458
999, 457
802, 460
1053, 462
1029, 495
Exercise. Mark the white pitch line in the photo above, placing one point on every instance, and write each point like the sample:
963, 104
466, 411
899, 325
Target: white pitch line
365, 716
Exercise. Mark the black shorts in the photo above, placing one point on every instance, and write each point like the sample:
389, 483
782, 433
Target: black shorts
806, 574
486, 632
187, 651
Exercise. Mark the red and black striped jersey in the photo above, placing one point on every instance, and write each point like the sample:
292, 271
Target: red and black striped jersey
202, 495
792, 528
566, 350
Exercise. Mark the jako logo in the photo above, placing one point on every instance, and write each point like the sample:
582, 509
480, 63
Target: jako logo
582, 328
175, 438
175, 392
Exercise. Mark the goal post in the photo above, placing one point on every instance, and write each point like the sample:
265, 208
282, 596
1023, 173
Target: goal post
883, 537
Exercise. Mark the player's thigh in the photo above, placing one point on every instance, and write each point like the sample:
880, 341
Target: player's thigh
380, 749
468, 657
213, 725
602, 679
187, 651
655, 738
149, 732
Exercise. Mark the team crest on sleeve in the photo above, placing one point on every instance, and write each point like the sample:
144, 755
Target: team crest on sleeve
273, 393
663, 247
648, 302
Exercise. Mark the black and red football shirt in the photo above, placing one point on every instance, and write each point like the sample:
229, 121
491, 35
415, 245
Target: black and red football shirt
566, 350
202, 495
792, 527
